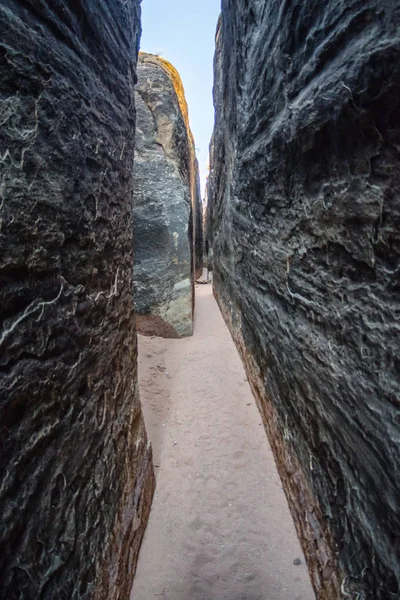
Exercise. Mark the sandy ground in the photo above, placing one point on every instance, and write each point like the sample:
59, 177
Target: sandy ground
220, 527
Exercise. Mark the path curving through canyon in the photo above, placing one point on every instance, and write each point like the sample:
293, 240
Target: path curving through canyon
220, 528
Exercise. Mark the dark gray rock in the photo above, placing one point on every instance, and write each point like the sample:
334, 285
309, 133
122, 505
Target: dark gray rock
197, 204
305, 210
76, 477
167, 205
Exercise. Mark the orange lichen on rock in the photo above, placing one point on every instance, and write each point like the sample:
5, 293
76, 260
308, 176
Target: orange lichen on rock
178, 86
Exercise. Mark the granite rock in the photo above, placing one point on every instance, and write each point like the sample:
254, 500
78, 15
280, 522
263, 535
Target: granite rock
167, 205
305, 218
76, 475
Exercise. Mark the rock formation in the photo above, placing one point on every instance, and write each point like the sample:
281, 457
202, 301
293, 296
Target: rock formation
198, 223
76, 476
167, 205
304, 202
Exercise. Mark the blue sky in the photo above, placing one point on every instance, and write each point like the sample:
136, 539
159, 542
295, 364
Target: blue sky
183, 32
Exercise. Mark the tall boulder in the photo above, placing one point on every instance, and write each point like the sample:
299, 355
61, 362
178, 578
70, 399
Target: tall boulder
305, 209
76, 476
167, 204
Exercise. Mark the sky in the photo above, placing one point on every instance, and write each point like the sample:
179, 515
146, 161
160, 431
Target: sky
183, 32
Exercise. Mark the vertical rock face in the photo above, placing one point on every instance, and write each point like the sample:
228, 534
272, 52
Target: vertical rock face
76, 476
167, 205
198, 223
305, 209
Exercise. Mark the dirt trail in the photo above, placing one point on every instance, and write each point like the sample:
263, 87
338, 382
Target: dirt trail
220, 528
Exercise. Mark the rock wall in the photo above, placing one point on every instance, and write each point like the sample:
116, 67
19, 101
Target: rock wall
76, 477
167, 204
198, 223
305, 210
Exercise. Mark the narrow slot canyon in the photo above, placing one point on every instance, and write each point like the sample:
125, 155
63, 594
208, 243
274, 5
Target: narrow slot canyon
220, 526
199, 300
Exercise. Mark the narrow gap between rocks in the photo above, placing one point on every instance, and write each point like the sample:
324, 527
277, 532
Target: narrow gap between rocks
220, 527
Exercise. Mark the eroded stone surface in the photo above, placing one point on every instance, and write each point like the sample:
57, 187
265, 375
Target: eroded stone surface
198, 222
76, 476
304, 205
167, 206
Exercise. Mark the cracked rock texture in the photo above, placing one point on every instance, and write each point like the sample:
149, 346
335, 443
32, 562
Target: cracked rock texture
167, 203
76, 476
305, 215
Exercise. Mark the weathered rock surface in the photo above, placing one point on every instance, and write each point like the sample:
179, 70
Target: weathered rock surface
76, 476
197, 204
167, 205
305, 209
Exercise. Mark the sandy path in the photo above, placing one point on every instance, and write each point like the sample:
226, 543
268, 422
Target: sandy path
220, 527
